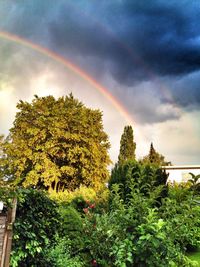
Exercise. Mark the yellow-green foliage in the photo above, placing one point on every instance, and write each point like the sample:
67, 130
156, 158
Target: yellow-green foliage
87, 193
67, 196
57, 144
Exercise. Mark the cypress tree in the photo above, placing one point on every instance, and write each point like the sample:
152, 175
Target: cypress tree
127, 145
155, 158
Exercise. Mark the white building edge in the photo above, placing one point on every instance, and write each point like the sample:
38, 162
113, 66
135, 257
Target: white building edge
181, 173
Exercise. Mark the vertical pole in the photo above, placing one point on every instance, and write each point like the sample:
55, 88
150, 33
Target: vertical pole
9, 234
4, 240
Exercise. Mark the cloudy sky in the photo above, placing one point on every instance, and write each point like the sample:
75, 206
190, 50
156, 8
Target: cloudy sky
146, 54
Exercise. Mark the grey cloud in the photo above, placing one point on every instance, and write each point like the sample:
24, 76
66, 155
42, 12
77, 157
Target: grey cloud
138, 38
135, 38
18, 66
132, 40
147, 104
186, 91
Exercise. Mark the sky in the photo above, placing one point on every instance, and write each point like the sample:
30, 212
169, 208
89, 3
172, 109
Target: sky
144, 56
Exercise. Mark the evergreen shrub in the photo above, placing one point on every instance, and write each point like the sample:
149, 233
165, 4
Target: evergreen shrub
37, 222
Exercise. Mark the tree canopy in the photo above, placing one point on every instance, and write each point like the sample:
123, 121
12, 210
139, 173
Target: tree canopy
127, 145
155, 158
57, 144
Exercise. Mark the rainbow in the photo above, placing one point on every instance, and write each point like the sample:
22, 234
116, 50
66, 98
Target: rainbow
74, 68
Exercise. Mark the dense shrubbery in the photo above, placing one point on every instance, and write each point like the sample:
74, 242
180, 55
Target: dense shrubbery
79, 197
132, 235
37, 222
145, 177
66, 196
60, 255
182, 214
146, 224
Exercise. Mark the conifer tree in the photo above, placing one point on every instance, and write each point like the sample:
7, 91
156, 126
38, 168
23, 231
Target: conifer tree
155, 158
127, 145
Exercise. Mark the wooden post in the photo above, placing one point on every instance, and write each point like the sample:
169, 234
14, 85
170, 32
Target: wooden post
7, 242
3, 219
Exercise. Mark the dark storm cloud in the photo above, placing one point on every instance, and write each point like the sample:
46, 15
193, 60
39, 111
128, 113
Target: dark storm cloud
25, 18
186, 91
135, 38
132, 40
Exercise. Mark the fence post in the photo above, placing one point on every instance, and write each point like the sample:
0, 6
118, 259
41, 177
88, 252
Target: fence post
7, 242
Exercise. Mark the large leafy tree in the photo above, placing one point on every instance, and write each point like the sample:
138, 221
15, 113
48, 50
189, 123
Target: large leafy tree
127, 145
57, 144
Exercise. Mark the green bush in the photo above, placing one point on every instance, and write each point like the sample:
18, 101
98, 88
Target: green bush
153, 248
135, 231
79, 198
37, 222
182, 214
194, 183
7, 194
72, 227
131, 234
67, 196
145, 177
60, 255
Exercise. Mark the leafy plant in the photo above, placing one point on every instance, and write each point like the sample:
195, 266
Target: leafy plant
131, 234
145, 177
67, 196
72, 227
182, 214
37, 222
194, 182
7, 195
60, 255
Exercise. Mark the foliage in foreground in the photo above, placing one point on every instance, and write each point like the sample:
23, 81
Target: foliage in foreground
37, 222
195, 256
145, 177
134, 231
132, 235
182, 213
59, 255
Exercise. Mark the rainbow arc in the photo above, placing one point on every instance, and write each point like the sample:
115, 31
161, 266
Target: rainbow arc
71, 66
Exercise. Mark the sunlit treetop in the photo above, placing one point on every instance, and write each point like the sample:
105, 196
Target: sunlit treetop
58, 144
